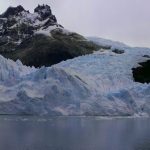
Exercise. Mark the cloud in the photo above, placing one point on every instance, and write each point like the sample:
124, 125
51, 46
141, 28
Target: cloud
122, 20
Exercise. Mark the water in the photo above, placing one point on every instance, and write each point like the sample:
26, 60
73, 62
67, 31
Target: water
74, 133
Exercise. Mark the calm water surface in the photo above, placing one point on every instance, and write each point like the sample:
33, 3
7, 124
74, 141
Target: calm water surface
74, 133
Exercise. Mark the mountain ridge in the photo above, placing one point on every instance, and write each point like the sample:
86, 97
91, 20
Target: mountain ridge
17, 26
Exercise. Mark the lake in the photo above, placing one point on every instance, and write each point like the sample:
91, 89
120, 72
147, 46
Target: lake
74, 133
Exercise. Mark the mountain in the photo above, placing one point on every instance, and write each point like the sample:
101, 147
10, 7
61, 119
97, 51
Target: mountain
37, 39
101, 83
106, 79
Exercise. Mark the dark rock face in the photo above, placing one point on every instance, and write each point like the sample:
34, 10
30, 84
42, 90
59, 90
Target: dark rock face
142, 73
118, 51
12, 11
45, 12
22, 37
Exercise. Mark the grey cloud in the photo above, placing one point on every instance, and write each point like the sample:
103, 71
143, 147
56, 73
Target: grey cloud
123, 20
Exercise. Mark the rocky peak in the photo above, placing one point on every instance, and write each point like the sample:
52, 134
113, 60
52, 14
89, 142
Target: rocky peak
18, 24
37, 39
43, 9
45, 12
11, 11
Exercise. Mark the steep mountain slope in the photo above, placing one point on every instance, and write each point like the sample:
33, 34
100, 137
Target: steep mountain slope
97, 84
37, 39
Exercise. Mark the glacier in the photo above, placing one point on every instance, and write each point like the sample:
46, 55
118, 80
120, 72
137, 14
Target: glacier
98, 84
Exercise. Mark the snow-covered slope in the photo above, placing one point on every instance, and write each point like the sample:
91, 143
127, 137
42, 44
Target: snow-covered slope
95, 84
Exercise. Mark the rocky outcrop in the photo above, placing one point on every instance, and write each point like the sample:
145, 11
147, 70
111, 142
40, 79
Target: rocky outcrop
45, 12
142, 73
12, 11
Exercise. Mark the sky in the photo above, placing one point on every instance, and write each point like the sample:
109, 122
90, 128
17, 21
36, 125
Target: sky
127, 21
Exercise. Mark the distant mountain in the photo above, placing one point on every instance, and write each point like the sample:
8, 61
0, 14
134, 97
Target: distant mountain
37, 39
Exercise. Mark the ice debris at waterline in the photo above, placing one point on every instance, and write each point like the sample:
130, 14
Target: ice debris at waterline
97, 84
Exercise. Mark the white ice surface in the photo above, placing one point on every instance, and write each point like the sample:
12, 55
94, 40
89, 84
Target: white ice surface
95, 84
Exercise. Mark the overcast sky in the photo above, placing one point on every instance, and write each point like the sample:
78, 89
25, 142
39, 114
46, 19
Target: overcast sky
122, 20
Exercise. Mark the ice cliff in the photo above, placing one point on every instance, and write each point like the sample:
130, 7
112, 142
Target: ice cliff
97, 84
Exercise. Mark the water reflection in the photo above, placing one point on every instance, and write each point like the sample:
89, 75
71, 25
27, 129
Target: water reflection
74, 133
